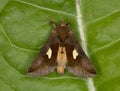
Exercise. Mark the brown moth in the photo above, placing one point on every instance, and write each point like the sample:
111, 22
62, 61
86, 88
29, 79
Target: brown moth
62, 51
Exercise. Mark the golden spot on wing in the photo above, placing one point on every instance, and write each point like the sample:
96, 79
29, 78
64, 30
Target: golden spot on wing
49, 53
75, 53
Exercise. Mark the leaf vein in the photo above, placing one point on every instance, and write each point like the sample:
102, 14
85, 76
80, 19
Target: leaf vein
16, 46
11, 65
44, 8
89, 81
8, 85
107, 45
58, 78
103, 17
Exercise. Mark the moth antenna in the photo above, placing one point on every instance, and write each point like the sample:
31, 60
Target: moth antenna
53, 24
67, 24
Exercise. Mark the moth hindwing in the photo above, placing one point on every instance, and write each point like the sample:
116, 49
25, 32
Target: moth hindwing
62, 51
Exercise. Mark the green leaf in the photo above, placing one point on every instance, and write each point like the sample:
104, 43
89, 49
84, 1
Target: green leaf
102, 19
24, 29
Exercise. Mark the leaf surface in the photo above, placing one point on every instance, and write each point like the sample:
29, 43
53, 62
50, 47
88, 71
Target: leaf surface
24, 29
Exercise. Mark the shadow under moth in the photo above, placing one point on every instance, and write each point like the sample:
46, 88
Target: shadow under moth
62, 51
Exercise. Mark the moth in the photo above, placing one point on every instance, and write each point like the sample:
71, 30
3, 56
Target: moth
62, 51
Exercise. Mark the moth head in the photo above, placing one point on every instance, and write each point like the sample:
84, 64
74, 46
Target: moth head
62, 30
